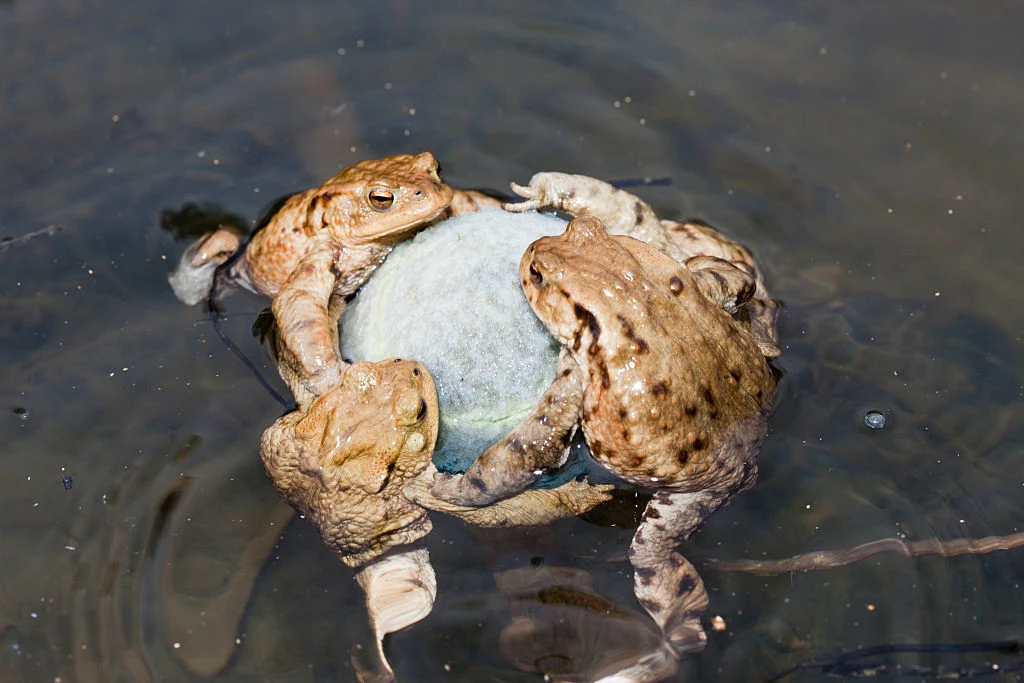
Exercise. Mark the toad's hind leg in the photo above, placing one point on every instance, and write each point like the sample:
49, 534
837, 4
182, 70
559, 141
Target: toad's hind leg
539, 443
695, 238
665, 583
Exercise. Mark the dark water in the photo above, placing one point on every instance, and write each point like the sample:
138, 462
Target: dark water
869, 153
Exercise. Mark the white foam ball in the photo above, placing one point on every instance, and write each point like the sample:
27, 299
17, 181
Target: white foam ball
451, 299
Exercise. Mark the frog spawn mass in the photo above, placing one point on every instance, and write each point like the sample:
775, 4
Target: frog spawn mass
663, 366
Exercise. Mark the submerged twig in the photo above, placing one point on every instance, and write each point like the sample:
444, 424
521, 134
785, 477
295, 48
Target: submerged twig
828, 559
11, 242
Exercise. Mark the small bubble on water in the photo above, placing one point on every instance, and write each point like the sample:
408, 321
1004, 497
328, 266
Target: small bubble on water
874, 419
22, 413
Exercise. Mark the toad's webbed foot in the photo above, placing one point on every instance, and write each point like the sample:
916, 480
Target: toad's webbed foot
621, 212
539, 443
192, 280
400, 590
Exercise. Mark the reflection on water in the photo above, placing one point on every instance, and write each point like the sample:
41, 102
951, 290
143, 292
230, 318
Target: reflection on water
868, 155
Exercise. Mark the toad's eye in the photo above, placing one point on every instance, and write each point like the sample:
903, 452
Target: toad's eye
381, 199
535, 276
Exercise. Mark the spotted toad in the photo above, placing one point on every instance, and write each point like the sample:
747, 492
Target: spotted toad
663, 366
318, 248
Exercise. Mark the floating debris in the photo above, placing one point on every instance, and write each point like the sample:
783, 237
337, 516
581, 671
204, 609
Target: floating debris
11, 242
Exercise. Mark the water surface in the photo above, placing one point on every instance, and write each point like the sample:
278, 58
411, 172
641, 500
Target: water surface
869, 153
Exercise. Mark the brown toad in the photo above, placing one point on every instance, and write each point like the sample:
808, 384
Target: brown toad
623, 213
663, 366
732, 312
346, 460
342, 459
318, 248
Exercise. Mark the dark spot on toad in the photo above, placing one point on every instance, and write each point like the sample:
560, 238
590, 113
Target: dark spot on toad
585, 317
638, 209
649, 605
659, 390
705, 389
639, 345
422, 412
515, 445
602, 369
645, 574
652, 513
415, 372
690, 409
477, 483
675, 283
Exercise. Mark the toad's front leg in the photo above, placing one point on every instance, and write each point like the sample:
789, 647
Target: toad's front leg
533, 507
621, 212
307, 338
540, 443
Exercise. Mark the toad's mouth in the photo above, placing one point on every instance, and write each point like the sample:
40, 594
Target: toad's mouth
401, 232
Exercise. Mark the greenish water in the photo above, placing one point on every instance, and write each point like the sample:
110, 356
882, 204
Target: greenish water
869, 153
